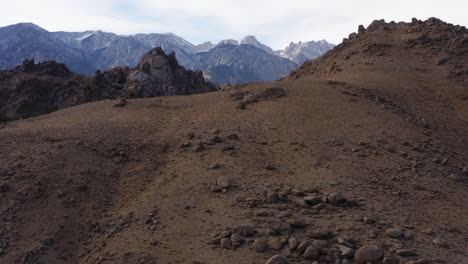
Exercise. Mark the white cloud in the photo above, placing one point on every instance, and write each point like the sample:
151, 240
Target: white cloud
276, 22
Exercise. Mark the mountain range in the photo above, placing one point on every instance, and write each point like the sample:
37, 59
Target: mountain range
85, 52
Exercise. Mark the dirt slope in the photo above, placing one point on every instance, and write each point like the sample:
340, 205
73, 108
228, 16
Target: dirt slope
373, 154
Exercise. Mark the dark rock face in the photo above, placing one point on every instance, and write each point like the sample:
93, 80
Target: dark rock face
33, 89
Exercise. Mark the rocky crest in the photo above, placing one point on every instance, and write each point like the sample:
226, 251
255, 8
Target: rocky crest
33, 89
431, 43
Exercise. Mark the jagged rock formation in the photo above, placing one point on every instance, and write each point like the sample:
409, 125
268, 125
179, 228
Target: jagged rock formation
33, 89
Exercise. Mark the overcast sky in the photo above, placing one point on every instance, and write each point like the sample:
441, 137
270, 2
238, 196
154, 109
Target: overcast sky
274, 22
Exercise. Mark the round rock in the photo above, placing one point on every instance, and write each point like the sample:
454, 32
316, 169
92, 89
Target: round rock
393, 232
259, 245
370, 253
311, 253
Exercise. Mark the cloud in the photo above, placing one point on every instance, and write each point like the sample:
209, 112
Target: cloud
275, 22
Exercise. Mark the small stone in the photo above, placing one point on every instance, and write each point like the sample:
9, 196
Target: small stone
277, 259
260, 245
215, 165
439, 242
225, 233
298, 223
370, 253
216, 189
311, 253
215, 139
368, 221
318, 233
275, 244
153, 242
427, 231
233, 136
406, 253
123, 102
271, 196
391, 260
293, 243
318, 243
303, 246
336, 198
198, 148
223, 182
226, 243
282, 228
245, 231
300, 202
465, 170
269, 167
297, 192
312, 200
346, 251
216, 241
236, 240
214, 131
393, 232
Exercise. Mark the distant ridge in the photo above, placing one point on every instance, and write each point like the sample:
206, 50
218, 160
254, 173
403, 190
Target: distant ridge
87, 51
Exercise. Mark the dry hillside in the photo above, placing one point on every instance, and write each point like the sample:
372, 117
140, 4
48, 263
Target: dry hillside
359, 156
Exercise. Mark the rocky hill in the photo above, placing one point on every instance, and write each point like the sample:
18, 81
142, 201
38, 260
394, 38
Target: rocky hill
34, 89
358, 157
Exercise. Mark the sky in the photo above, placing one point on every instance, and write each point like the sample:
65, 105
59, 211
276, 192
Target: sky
274, 22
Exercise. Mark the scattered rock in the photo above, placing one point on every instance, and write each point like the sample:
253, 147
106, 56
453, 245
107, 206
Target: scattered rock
318, 243
260, 245
275, 244
369, 253
153, 242
391, 260
245, 231
346, 251
269, 167
293, 243
236, 240
336, 198
216, 189
122, 103
277, 259
271, 196
269, 93
312, 200
394, 232
318, 233
406, 253
223, 182
226, 243
311, 253
441, 243
215, 165
298, 223
282, 228
303, 246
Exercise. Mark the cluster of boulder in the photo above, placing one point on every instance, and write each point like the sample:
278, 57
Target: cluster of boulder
33, 89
